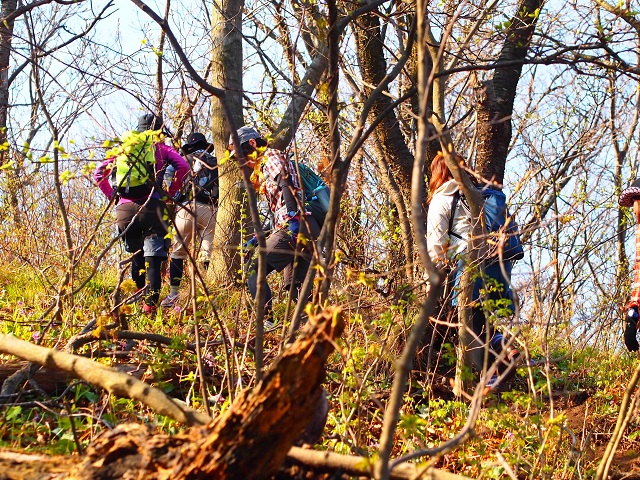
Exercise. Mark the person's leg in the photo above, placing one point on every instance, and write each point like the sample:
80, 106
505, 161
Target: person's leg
128, 223
184, 234
480, 353
138, 270
184, 230
252, 285
631, 329
296, 271
279, 253
500, 293
176, 269
496, 308
206, 229
155, 248
154, 273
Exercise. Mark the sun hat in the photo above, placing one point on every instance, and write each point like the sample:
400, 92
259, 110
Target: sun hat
149, 121
245, 134
196, 141
629, 194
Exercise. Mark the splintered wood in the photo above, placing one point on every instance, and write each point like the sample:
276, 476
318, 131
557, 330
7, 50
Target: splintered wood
249, 440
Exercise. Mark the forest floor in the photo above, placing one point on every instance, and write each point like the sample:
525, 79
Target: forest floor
554, 421
580, 411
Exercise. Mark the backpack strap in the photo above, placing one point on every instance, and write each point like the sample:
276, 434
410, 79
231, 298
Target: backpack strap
454, 206
286, 187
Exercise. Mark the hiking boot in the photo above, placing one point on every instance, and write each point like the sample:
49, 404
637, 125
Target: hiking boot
170, 300
149, 309
492, 385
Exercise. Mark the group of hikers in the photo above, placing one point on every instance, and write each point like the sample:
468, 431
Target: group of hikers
190, 181
144, 177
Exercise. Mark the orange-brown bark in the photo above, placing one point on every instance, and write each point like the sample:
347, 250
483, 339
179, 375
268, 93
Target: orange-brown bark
249, 440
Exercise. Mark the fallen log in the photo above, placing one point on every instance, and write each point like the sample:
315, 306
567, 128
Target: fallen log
250, 440
362, 466
110, 379
47, 380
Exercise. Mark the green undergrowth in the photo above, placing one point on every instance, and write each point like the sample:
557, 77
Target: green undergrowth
552, 421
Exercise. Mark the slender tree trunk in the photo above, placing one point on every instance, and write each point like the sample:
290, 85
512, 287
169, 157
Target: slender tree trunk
373, 66
160, 67
6, 35
392, 146
12, 174
226, 28
496, 96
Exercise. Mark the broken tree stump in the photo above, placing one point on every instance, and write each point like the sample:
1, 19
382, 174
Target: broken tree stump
249, 440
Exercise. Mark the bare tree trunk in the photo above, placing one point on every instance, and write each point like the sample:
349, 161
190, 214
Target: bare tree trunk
621, 145
226, 30
496, 96
12, 175
299, 100
373, 66
159, 100
6, 36
391, 145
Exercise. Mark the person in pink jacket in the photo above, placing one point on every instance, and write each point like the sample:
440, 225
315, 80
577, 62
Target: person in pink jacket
142, 222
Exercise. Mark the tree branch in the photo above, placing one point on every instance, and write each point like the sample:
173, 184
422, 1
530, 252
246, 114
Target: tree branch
111, 380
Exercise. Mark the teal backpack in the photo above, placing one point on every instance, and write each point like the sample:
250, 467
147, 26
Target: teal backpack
316, 193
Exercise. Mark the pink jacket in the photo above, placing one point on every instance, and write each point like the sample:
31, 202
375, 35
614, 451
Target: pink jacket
165, 156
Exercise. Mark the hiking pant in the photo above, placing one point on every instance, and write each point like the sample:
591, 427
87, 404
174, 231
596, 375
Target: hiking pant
203, 224
144, 236
283, 250
482, 327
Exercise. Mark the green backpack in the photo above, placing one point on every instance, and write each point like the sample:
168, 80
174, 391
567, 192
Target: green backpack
133, 174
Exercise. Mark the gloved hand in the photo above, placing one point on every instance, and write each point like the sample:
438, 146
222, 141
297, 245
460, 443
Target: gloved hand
294, 226
250, 244
631, 329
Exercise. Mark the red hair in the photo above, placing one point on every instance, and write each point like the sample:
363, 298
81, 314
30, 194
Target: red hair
440, 173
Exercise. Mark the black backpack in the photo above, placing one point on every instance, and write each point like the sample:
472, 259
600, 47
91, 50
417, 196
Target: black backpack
202, 186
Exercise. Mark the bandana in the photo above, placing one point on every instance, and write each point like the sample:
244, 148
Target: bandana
257, 176
630, 194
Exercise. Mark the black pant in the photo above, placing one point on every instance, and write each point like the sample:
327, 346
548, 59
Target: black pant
284, 251
144, 228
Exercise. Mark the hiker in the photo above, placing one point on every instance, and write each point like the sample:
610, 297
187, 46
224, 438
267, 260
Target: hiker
275, 176
448, 230
630, 197
197, 209
141, 211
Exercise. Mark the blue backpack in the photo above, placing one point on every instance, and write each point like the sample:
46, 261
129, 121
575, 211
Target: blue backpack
316, 193
502, 229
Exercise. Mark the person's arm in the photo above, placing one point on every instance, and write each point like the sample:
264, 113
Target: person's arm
170, 157
284, 182
275, 171
281, 164
437, 228
101, 176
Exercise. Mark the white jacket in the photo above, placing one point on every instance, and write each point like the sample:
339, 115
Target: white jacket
440, 245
